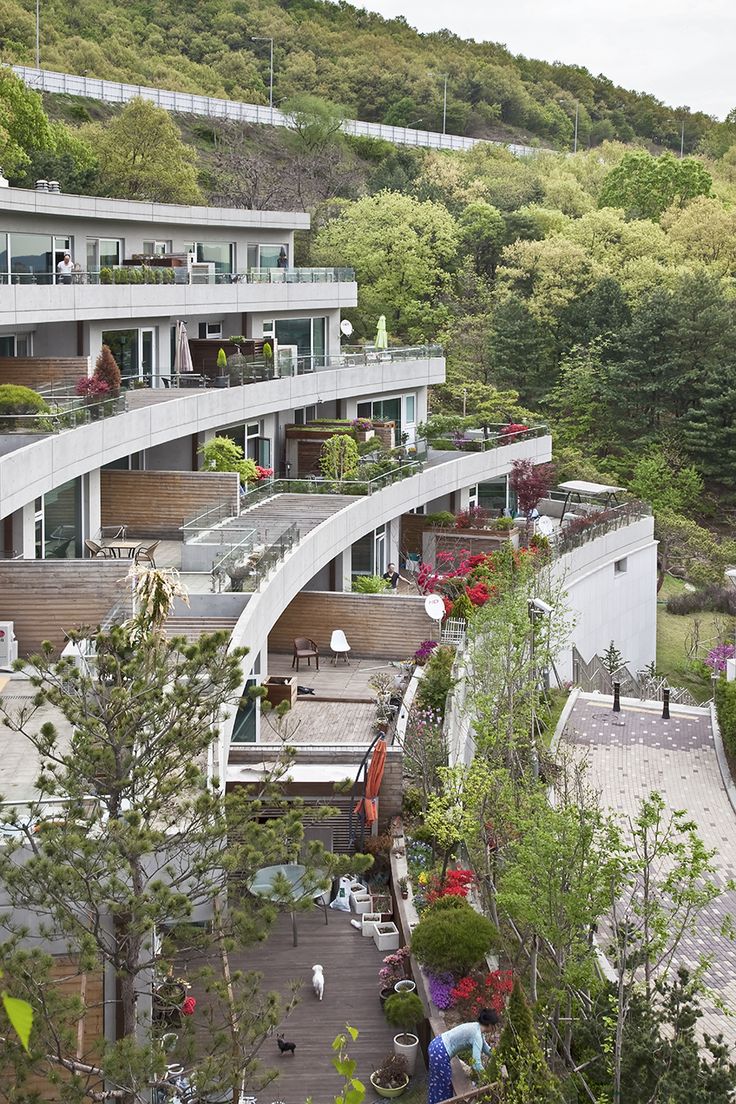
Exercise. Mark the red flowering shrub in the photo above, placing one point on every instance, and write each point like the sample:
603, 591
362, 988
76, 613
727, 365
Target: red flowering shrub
474, 517
470, 995
464, 990
512, 428
263, 473
478, 594
187, 1008
456, 884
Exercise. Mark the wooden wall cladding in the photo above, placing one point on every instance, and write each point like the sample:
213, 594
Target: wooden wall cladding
156, 503
376, 625
42, 371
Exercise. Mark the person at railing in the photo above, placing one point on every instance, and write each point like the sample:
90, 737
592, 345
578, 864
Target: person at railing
64, 270
283, 260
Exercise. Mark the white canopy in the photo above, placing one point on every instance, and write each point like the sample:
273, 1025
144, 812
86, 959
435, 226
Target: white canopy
581, 486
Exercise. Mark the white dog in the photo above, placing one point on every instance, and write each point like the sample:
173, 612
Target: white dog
318, 981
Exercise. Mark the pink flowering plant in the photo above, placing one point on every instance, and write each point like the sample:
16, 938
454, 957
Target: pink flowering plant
717, 657
395, 968
92, 387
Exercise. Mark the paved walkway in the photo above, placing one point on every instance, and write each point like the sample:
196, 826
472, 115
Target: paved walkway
635, 752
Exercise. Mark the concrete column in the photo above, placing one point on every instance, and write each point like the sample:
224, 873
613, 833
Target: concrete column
26, 538
92, 519
393, 540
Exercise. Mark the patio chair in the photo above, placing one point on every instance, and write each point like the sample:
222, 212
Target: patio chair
304, 648
339, 646
146, 554
96, 549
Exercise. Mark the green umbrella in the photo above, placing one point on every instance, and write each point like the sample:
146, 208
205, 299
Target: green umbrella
381, 341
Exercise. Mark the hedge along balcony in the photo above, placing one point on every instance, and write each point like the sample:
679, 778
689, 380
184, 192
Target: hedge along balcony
76, 413
493, 437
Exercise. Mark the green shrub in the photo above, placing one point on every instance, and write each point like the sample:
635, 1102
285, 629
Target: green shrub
443, 518
452, 939
725, 696
404, 1010
18, 400
437, 681
370, 584
504, 523
105, 275
463, 607
449, 904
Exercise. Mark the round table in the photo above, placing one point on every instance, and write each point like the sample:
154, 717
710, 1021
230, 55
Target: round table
302, 884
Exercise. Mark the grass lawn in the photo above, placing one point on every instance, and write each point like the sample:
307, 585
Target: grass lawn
672, 632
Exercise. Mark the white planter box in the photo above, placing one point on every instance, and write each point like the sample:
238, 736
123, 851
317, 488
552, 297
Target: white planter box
361, 903
358, 887
369, 921
386, 937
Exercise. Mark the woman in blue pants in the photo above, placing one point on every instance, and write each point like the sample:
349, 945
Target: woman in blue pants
444, 1047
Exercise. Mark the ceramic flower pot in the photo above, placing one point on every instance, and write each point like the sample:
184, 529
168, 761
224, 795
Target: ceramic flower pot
388, 1094
407, 1046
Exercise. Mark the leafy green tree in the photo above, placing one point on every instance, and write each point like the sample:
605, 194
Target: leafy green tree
24, 125
483, 231
521, 350
666, 484
142, 156
70, 159
645, 186
403, 251
339, 457
224, 455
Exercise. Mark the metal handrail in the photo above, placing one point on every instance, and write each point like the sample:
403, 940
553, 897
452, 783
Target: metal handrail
158, 275
315, 485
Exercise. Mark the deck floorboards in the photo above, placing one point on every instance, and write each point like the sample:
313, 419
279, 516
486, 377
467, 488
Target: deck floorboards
351, 965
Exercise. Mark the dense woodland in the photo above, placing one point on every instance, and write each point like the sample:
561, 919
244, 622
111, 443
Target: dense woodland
376, 69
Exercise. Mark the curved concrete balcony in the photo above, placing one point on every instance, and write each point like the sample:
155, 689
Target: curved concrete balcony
36, 468
28, 304
343, 527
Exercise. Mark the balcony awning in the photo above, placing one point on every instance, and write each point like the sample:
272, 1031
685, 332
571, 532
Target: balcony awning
298, 772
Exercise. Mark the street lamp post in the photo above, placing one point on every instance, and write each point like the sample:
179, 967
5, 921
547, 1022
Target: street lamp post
265, 38
444, 107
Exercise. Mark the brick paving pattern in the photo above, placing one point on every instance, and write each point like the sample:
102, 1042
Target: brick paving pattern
635, 752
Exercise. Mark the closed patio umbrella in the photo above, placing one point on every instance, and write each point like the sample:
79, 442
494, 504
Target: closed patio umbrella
381, 341
373, 779
183, 355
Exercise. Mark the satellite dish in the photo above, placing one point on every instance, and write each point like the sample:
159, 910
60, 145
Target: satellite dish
346, 327
434, 607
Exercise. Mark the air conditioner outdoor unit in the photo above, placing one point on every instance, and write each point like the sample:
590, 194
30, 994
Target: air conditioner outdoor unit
8, 644
202, 272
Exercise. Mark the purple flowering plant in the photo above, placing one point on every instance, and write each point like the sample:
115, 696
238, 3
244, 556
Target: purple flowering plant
425, 650
716, 658
440, 990
394, 968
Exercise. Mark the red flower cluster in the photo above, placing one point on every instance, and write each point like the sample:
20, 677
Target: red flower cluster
478, 594
187, 1008
456, 884
263, 473
491, 992
513, 427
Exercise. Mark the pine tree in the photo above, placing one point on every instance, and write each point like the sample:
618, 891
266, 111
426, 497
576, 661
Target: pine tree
529, 1080
106, 369
612, 659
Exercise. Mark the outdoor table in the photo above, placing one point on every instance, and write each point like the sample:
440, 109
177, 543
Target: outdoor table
263, 881
118, 547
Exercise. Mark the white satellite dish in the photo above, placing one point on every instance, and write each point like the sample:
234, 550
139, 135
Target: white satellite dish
346, 327
434, 607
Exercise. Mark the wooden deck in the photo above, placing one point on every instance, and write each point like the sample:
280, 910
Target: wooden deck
351, 964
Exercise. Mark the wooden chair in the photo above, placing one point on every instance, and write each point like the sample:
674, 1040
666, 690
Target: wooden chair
147, 553
96, 549
304, 648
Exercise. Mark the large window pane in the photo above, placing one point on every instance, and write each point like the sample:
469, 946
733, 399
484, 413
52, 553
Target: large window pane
31, 258
124, 347
318, 342
218, 253
7, 345
3, 255
295, 331
109, 252
63, 521
362, 555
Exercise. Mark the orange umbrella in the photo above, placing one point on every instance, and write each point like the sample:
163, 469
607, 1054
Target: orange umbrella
373, 779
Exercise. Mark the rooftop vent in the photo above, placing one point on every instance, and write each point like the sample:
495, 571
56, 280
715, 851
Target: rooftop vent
54, 186
42, 185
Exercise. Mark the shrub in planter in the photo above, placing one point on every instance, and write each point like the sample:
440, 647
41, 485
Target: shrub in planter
452, 938
391, 1078
444, 519
404, 1010
437, 681
370, 584
19, 400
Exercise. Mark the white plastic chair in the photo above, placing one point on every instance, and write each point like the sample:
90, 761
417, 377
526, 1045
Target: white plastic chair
339, 645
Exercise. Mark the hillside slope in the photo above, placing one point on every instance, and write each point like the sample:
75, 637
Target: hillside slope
376, 69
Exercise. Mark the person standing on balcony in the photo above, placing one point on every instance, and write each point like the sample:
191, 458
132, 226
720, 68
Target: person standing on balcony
283, 260
64, 270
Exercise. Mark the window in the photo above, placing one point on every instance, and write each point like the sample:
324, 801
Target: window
156, 248
383, 410
124, 347
473, 497
266, 256
305, 415
103, 253
60, 530
244, 729
419, 509
309, 336
209, 330
31, 258
620, 567
369, 553
220, 254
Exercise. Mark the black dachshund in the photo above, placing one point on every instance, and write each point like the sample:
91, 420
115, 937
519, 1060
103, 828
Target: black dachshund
285, 1047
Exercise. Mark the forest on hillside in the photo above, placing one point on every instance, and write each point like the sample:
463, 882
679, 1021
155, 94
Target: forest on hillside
375, 69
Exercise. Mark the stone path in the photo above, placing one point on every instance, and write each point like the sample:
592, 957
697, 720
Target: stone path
635, 752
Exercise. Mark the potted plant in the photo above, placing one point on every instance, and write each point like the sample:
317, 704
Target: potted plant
222, 379
392, 972
405, 1011
404, 888
391, 1077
